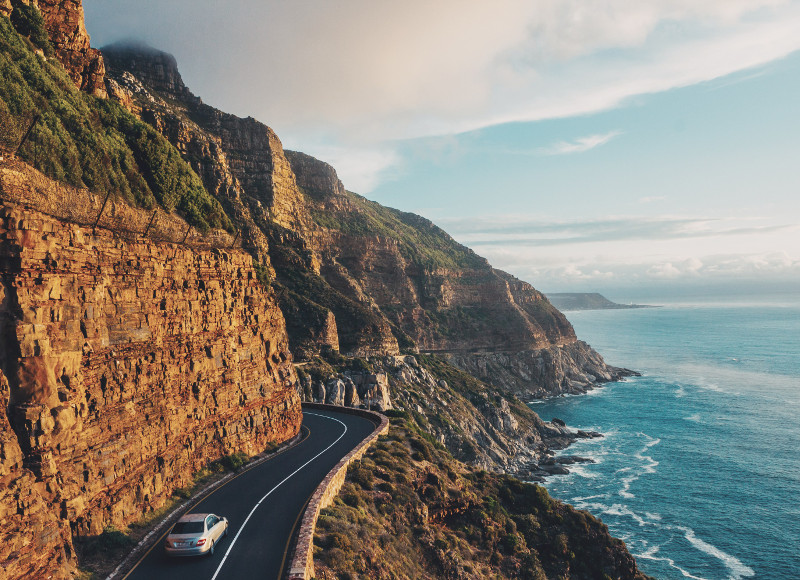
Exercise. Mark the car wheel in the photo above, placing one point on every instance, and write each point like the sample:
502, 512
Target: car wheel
226, 530
211, 549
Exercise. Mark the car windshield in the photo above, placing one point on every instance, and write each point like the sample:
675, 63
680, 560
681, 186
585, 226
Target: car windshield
188, 528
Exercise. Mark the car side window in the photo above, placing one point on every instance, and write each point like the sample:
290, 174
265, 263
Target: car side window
209, 522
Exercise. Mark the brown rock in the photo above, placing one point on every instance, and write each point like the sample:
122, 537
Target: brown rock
136, 364
67, 32
36, 543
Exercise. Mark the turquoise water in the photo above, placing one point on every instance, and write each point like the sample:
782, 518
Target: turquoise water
699, 469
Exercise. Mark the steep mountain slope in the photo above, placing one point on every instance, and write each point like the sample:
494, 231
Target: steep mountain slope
352, 275
138, 346
408, 510
135, 349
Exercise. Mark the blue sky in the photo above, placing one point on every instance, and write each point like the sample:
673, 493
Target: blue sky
580, 145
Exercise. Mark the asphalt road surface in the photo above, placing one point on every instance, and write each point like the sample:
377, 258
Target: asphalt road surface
264, 506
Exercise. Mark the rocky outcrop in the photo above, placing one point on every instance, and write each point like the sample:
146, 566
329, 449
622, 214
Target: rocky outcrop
156, 69
63, 20
132, 364
65, 27
316, 177
557, 370
365, 390
484, 426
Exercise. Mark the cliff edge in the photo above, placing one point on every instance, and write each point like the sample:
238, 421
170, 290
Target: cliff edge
353, 276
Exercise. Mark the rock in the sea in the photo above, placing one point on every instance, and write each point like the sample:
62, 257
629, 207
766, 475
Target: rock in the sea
572, 459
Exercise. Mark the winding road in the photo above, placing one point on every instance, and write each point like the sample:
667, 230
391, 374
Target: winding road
264, 506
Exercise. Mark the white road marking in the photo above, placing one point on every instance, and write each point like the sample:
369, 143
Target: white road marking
288, 477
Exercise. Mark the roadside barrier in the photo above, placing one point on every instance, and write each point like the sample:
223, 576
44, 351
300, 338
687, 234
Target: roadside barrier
302, 562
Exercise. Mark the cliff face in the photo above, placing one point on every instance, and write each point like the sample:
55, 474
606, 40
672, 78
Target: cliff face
130, 364
136, 364
253, 152
36, 543
243, 162
64, 22
376, 279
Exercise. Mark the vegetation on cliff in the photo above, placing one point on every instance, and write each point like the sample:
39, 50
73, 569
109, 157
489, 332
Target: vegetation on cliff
408, 509
419, 240
90, 142
477, 422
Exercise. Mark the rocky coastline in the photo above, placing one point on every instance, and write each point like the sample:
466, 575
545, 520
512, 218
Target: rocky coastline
480, 422
132, 358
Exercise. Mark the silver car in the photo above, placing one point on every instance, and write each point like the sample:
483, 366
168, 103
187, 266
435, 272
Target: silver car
195, 535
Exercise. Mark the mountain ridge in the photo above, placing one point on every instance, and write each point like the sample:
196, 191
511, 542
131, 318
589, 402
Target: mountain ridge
587, 301
357, 291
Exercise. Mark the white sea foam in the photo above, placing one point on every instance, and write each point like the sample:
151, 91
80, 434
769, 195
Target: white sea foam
617, 509
583, 499
693, 418
737, 569
650, 554
648, 466
734, 378
581, 471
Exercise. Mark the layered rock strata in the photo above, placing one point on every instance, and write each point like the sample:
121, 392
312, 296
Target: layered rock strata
36, 543
132, 364
547, 372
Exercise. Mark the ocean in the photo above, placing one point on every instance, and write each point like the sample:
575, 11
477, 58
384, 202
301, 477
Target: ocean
699, 467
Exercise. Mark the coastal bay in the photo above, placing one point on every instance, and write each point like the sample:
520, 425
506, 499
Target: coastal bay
697, 470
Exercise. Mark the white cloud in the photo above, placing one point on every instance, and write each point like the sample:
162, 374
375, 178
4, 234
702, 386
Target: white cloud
360, 169
370, 71
580, 144
635, 250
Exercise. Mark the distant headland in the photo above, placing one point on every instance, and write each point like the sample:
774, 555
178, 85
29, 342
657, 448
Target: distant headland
587, 301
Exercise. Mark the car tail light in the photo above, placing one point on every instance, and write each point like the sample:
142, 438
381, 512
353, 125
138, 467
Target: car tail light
201, 541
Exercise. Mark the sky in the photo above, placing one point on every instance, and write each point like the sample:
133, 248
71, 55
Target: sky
582, 145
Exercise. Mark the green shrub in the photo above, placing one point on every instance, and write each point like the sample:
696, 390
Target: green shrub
235, 461
361, 475
85, 141
29, 22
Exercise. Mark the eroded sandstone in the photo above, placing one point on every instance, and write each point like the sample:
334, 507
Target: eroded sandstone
133, 364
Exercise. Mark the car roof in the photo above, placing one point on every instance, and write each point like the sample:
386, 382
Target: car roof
193, 517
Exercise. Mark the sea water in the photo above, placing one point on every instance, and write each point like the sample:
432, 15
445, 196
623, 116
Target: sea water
699, 467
